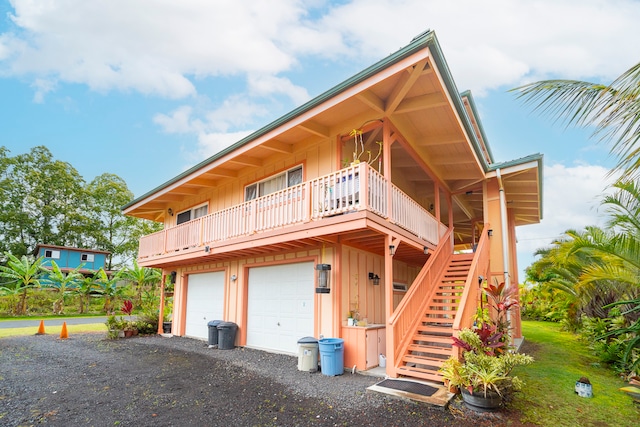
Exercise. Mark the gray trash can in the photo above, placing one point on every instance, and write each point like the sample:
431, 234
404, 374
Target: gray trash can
227, 335
308, 354
213, 332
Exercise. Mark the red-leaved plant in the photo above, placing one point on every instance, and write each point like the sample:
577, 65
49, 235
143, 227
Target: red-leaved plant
127, 307
490, 338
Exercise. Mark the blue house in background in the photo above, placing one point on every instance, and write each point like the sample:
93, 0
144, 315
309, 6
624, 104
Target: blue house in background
69, 258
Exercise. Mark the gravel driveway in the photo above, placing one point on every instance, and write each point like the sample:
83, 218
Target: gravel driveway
88, 380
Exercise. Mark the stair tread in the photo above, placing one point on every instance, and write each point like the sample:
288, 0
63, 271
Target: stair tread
421, 348
432, 338
424, 360
426, 374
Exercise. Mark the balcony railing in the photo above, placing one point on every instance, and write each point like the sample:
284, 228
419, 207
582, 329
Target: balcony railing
348, 190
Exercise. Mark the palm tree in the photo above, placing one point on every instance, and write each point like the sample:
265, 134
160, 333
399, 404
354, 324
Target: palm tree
23, 274
108, 288
141, 277
84, 289
63, 283
613, 109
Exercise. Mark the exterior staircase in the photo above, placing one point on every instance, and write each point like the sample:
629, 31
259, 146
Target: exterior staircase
431, 342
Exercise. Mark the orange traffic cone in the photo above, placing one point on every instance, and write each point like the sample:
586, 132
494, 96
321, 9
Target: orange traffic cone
63, 333
41, 328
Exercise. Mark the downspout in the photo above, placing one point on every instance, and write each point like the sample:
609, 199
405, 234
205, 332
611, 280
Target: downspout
503, 222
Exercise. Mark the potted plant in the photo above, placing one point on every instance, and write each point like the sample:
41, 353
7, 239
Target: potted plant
483, 372
115, 328
130, 328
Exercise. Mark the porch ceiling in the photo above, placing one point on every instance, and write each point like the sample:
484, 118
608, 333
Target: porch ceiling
437, 138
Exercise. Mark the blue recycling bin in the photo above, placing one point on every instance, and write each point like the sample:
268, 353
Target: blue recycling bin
331, 356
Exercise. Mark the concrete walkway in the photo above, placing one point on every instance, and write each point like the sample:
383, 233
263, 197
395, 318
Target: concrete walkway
26, 323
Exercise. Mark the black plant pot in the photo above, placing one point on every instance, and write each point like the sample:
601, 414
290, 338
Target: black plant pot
166, 327
477, 400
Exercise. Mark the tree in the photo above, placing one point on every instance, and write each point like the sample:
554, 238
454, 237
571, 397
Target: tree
141, 277
63, 283
42, 199
23, 273
110, 229
613, 109
84, 289
47, 201
108, 288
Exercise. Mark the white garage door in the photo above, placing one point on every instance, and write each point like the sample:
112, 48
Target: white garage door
280, 306
205, 301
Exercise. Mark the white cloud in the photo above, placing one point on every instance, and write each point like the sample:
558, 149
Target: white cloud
212, 143
42, 87
572, 196
164, 47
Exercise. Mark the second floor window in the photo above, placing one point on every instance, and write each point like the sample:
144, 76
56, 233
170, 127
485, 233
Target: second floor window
274, 183
86, 257
192, 213
48, 253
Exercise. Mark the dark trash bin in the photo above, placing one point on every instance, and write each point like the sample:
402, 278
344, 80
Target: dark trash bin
166, 327
213, 332
227, 335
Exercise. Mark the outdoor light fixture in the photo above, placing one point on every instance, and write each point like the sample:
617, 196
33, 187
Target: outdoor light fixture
234, 277
207, 249
425, 250
374, 278
392, 250
480, 279
170, 211
490, 232
324, 276
172, 277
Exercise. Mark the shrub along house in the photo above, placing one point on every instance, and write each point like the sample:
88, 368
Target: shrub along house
384, 184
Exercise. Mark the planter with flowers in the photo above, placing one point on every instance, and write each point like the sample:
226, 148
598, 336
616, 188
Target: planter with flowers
121, 327
483, 372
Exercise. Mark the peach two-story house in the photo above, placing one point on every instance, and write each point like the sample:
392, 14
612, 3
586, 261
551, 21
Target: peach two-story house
378, 200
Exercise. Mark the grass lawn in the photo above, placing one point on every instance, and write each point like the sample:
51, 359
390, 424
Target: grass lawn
548, 398
54, 330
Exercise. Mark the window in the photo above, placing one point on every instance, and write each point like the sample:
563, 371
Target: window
275, 183
192, 213
49, 253
86, 257
402, 287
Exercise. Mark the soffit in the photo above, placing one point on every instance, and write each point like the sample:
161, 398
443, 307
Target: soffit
410, 93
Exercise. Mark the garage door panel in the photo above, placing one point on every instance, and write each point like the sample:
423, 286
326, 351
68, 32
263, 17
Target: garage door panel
280, 306
205, 302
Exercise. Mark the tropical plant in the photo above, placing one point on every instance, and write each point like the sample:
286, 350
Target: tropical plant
143, 278
108, 287
612, 109
63, 283
21, 274
481, 368
85, 288
127, 308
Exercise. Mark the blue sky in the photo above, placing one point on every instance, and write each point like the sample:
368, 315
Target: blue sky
147, 89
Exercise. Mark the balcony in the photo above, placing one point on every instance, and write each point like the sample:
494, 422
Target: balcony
355, 189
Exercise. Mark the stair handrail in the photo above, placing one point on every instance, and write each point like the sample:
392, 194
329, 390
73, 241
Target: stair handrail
470, 297
404, 318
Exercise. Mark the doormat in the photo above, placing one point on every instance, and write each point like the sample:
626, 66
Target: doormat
408, 386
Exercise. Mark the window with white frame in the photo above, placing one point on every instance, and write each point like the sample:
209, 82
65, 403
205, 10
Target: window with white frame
49, 253
86, 257
274, 183
193, 213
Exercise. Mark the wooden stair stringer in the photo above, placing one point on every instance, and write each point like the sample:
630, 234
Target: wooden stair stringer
431, 342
